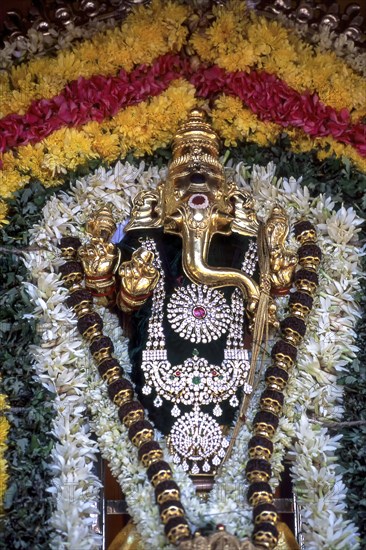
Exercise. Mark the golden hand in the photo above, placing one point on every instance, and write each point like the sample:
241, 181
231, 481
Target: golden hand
138, 279
98, 257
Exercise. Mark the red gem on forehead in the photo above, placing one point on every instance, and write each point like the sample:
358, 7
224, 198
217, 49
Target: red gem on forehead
197, 200
199, 312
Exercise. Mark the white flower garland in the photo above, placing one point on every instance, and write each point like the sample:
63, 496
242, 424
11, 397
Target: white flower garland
313, 396
75, 486
303, 409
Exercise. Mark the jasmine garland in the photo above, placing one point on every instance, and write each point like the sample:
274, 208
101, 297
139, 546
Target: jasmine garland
67, 215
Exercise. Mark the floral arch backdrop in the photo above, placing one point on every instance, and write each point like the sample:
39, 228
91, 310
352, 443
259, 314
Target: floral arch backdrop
290, 113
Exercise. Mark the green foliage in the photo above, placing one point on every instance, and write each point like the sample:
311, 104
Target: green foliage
27, 503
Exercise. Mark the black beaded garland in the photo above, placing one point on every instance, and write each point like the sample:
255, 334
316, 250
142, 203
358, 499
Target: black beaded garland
276, 375
274, 395
259, 488
260, 447
177, 530
166, 486
301, 226
70, 267
265, 509
108, 364
301, 298
147, 447
309, 250
69, 242
266, 417
78, 296
307, 275
117, 386
157, 467
88, 321
284, 348
128, 408
260, 465
102, 342
121, 392
284, 354
139, 427
294, 323
171, 508
264, 528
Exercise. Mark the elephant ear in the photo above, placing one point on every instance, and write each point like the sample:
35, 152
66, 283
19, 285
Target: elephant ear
147, 211
245, 221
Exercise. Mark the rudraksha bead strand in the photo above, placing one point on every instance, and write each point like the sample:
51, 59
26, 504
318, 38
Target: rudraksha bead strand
69, 247
260, 447
120, 391
284, 354
259, 492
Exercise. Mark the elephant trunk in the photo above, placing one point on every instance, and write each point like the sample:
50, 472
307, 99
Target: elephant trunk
195, 266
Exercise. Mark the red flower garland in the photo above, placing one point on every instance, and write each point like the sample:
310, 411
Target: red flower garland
100, 97
84, 100
272, 99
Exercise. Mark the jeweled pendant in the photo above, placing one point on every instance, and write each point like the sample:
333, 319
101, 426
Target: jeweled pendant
175, 411
197, 438
217, 410
234, 401
216, 461
195, 469
198, 313
158, 401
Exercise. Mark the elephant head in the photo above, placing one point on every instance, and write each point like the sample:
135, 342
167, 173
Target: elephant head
196, 202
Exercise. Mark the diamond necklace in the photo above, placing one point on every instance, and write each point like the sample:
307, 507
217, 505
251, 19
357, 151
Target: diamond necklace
196, 439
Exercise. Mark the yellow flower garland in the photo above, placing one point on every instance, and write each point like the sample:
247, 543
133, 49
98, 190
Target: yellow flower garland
241, 40
233, 121
69, 148
150, 31
236, 40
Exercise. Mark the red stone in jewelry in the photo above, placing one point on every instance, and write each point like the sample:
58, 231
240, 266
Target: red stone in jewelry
198, 200
199, 312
